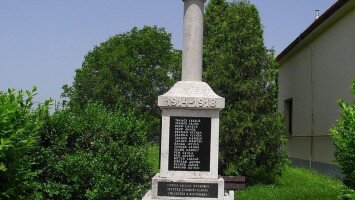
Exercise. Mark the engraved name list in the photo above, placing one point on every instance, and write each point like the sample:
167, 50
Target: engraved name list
190, 141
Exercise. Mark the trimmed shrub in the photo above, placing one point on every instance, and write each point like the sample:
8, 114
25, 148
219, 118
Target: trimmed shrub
19, 125
93, 154
343, 134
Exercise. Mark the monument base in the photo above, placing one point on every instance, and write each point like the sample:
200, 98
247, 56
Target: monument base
193, 189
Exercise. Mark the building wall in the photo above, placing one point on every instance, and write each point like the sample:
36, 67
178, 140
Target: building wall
315, 78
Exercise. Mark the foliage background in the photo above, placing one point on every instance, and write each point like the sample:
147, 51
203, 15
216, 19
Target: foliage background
239, 67
129, 70
86, 153
95, 147
93, 153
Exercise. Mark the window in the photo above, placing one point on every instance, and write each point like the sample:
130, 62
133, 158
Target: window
288, 114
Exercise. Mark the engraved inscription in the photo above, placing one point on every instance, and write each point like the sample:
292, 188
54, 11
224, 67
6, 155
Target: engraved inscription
191, 102
180, 189
196, 91
190, 91
189, 144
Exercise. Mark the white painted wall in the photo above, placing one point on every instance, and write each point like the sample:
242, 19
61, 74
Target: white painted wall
324, 67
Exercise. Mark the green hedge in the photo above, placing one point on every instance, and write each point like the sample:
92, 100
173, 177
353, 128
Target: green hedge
73, 154
93, 154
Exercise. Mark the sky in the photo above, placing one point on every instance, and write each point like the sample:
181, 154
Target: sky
43, 42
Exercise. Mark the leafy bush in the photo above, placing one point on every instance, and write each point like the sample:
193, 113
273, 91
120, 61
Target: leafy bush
19, 125
93, 154
343, 134
239, 68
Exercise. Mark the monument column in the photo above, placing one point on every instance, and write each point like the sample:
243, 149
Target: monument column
190, 125
193, 40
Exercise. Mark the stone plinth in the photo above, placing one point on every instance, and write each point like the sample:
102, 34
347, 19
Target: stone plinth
189, 144
190, 101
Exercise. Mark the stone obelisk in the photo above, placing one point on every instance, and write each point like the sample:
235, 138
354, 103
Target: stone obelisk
190, 125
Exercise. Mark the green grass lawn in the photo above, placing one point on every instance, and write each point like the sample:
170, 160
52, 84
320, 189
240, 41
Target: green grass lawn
294, 184
153, 157
297, 184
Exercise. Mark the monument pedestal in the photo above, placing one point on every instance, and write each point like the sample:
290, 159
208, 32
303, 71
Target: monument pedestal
189, 144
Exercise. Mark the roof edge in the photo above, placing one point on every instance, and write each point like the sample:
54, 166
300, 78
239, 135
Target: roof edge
324, 17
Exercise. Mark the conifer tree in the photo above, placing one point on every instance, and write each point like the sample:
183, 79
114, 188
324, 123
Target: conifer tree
240, 68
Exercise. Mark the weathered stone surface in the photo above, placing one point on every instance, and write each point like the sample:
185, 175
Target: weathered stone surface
193, 40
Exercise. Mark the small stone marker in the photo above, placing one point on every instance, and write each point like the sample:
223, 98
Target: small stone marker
190, 125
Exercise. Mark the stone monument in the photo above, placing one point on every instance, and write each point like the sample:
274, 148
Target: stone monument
190, 125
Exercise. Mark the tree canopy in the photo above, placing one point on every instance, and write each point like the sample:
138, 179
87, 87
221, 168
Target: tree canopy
238, 67
128, 71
